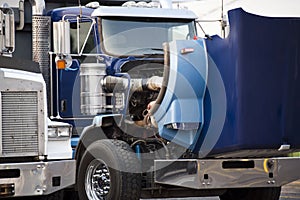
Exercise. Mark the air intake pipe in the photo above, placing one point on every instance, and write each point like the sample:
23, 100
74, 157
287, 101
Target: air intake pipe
38, 7
41, 40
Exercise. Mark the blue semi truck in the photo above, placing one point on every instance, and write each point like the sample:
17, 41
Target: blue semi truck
155, 110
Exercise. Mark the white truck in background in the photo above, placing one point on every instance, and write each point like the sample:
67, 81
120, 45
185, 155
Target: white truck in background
35, 153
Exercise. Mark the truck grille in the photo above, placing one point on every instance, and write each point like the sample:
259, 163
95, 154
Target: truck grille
19, 123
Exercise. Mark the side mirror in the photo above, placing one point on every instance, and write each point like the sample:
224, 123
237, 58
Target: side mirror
10, 32
61, 37
7, 30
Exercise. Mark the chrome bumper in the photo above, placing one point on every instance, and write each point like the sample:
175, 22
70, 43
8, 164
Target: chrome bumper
36, 178
227, 173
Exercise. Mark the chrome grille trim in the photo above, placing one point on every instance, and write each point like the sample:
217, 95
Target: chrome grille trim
19, 112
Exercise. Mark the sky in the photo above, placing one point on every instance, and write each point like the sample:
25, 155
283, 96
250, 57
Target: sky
211, 10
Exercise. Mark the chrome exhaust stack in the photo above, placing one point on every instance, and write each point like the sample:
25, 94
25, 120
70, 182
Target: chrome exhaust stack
41, 40
38, 7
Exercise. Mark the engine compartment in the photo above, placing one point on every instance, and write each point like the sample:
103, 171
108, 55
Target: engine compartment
140, 101
139, 82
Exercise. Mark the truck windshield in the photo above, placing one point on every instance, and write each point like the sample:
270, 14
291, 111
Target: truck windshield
142, 36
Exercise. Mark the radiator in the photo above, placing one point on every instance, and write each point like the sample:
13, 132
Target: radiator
19, 124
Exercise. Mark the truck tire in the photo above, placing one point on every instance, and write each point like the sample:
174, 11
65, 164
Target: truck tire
110, 170
252, 193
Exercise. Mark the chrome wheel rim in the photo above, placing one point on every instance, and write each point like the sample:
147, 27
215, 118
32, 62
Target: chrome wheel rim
97, 180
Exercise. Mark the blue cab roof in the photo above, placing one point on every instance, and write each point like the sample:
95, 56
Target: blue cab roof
58, 13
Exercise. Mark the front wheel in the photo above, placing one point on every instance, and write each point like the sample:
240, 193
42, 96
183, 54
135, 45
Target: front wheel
252, 193
109, 170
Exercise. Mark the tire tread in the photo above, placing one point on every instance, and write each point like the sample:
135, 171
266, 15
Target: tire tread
128, 168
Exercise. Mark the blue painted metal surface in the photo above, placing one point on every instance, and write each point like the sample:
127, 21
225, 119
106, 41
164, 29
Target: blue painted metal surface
183, 101
74, 143
259, 64
69, 91
58, 13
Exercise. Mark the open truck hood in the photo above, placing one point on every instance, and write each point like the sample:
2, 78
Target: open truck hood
257, 111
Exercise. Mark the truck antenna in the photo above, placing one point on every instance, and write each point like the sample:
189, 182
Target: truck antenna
79, 3
222, 9
223, 22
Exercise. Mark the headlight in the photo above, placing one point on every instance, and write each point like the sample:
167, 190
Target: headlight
64, 131
59, 132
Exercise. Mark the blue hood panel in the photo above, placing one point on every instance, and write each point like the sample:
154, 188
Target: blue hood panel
183, 101
251, 102
259, 67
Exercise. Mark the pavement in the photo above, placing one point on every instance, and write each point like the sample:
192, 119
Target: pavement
288, 192
291, 191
